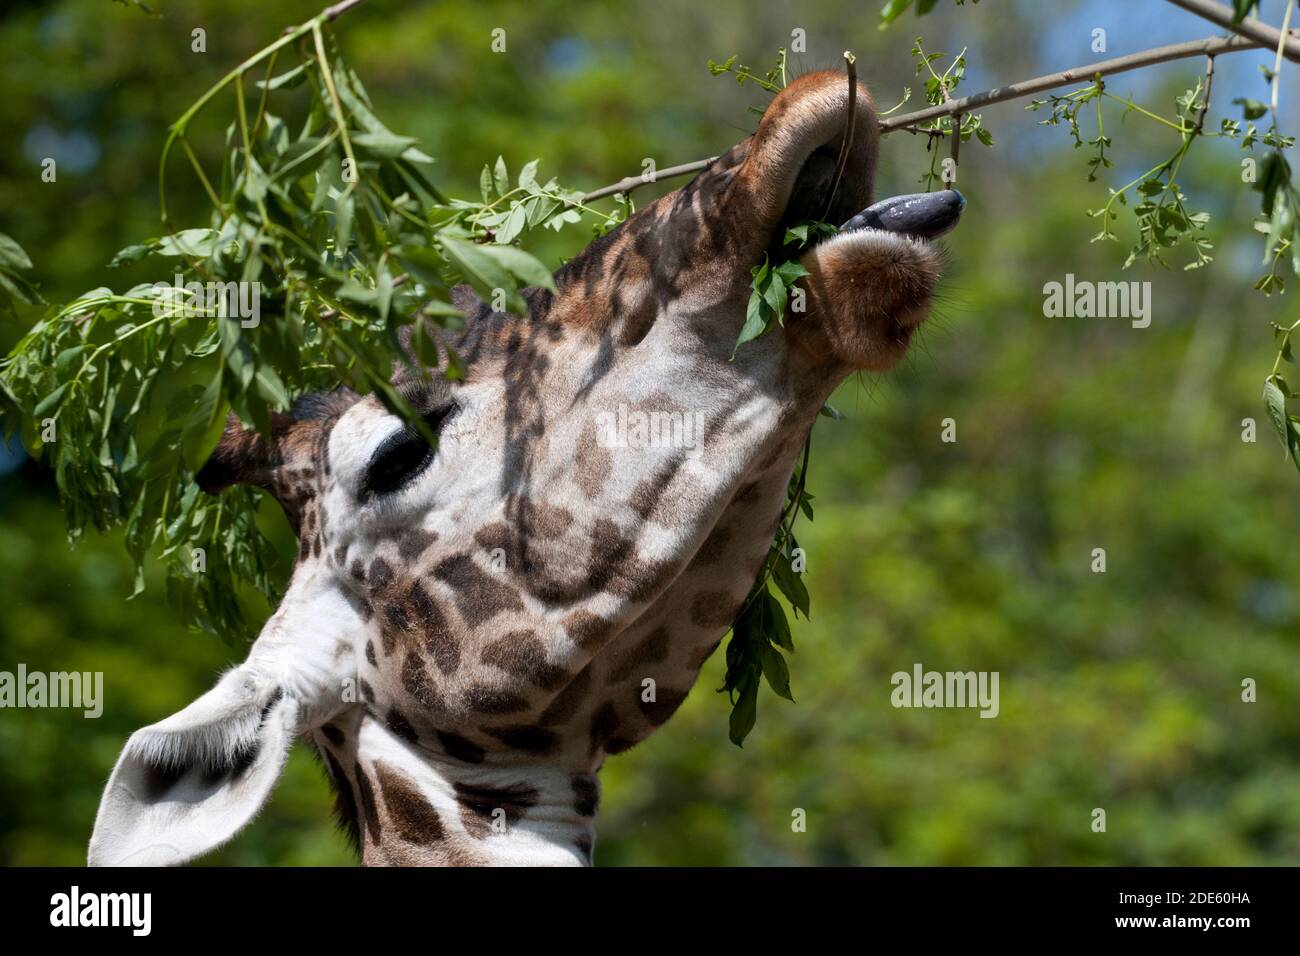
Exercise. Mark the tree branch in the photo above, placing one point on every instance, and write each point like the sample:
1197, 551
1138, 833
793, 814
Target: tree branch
337, 10
1208, 47
1249, 27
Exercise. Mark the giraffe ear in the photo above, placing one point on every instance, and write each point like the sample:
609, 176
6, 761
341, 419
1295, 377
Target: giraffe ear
187, 784
243, 456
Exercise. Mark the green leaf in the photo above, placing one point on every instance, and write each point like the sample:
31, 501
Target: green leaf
892, 11
791, 584
287, 80
198, 243
12, 255
528, 175
204, 427
501, 177
775, 671
744, 711
755, 323
1275, 402
1251, 109
51, 400
484, 272
525, 267
385, 144
514, 224
790, 271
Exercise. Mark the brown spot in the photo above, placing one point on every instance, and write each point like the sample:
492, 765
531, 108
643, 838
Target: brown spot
368, 805
567, 701
522, 654
696, 660
411, 815
439, 641
604, 723
586, 794
542, 520
413, 542
651, 498
334, 735
416, 681
614, 566
586, 629
664, 706
584, 847
483, 699
713, 609
370, 654
651, 649
490, 537
617, 745
533, 740
399, 725
479, 805
345, 802
592, 463
367, 692
478, 596
380, 574
714, 546
459, 747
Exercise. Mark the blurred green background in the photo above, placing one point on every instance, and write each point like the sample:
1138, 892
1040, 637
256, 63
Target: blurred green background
1118, 690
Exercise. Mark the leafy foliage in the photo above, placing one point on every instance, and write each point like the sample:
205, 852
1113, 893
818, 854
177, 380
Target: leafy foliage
896, 8
331, 220
1159, 205
14, 288
938, 89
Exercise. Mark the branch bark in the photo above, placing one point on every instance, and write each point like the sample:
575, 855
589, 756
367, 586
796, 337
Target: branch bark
337, 10
1208, 47
1221, 15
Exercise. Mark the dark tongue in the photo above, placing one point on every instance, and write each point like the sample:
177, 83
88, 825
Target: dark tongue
925, 215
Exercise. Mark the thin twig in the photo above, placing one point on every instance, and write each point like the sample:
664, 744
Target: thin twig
1222, 15
334, 12
847, 143
629, 183
1277, 63
1205, 103
1208, 47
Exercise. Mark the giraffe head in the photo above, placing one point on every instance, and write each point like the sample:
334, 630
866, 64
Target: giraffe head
470, 630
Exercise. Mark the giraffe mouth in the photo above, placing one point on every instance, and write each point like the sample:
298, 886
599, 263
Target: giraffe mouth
818, 197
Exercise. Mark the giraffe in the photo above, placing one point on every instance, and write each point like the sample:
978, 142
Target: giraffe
470, 630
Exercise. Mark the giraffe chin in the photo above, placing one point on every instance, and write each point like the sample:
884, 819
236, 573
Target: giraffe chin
868, 290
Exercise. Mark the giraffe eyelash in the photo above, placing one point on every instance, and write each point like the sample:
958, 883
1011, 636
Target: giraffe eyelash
401, 457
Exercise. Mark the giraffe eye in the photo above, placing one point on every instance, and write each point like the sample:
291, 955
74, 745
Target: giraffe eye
400, 458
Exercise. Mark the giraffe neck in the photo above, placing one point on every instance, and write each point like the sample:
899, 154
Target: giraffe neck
408, 806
